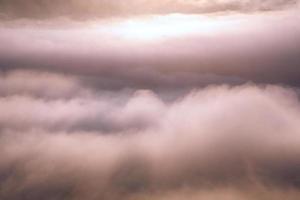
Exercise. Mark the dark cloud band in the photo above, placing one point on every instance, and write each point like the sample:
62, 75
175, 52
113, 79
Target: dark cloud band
80, 9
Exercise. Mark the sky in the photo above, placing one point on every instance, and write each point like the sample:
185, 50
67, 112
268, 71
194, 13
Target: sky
149, 99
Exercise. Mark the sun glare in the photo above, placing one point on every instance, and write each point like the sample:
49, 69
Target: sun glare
169, 26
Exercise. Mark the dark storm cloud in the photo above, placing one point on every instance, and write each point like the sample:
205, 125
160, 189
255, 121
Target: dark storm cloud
239, 142
38, 9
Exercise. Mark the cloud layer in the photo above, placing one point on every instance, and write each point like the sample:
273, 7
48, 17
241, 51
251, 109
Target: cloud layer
232, 49
81, 9
146, 99
98, 147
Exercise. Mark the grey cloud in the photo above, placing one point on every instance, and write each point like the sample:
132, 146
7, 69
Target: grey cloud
81, 9
240, 141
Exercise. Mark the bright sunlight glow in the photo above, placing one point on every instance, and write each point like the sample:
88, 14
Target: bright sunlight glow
169, 26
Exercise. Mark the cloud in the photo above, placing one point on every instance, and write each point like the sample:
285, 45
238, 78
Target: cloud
39, 84
230, 49
240, 141
145, 99
80, 9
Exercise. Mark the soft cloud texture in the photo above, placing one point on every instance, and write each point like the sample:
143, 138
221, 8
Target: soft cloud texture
148, 99
46, 85
232, 49
217, 138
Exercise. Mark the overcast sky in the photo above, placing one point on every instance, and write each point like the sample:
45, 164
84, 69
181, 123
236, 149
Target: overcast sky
149, 99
